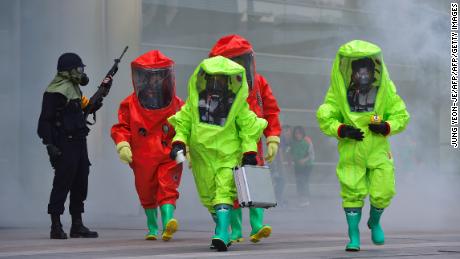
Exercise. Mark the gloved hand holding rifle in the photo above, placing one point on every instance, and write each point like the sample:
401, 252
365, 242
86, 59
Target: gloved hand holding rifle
95, 102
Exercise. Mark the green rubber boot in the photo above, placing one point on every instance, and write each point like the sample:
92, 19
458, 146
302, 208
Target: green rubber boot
353, 217
221, 239
214, 218
151, 224
259, 230
378, 237
236, 218
170, 224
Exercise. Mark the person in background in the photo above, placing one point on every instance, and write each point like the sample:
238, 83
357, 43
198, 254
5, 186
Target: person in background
303, 156
280, 166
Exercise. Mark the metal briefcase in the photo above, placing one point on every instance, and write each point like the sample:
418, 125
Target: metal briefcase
254, 186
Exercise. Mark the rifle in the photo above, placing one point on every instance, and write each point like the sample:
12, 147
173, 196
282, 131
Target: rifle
95, 102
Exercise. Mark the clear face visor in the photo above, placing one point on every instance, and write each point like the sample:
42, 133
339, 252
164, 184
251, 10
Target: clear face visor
154, 87
364, 80
215, 98
363, 73
247, 61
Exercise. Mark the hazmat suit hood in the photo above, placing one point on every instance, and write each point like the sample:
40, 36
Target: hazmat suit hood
153, 80
234, 75
240, 50
218, 145
336, 97
360, 67
356, 51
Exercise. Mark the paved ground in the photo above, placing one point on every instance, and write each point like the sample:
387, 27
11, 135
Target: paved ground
288, 241
422, 222
127, 243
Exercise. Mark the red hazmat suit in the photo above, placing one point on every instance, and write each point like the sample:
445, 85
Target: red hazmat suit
143, 124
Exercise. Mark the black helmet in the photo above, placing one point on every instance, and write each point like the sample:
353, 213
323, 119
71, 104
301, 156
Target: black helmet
67, 61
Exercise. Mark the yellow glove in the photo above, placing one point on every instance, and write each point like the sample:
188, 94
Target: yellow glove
124, 152
273, 143
187, 156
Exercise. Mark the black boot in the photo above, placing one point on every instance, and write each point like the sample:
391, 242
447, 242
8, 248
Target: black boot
56, 228
79, 230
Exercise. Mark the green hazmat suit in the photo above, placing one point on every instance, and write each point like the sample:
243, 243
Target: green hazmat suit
215, 150
364, 167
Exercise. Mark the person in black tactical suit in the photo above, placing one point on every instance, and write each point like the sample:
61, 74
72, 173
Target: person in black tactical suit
63, 129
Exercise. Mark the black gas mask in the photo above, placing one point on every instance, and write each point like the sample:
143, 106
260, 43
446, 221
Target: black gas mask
216, 100
78, 76
82, 77
363, 74
84, 80
216, 86
362, 79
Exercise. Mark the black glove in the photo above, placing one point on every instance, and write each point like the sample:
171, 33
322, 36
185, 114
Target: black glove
249, 159
176, 147
381, 128
351, 132
54, 154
